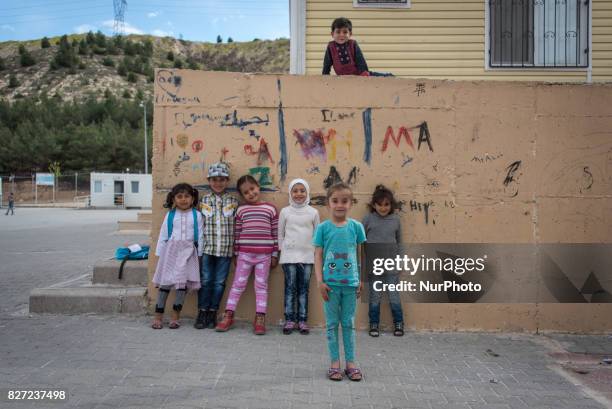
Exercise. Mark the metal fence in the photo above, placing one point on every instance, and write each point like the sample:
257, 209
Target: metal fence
70, 188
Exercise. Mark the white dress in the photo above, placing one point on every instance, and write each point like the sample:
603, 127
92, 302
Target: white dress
178, 265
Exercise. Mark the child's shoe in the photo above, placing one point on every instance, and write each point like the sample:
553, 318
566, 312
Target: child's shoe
259, 325
374, 331
226, 322
304, 330
201, 320
211, 319
289, 327
398, 329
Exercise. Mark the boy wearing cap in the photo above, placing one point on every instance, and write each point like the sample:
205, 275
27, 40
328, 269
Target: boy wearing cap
219, 210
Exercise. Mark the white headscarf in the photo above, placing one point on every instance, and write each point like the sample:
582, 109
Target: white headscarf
305, 184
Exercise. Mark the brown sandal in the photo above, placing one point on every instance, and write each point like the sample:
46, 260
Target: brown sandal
157, 324
334, 374
354, 374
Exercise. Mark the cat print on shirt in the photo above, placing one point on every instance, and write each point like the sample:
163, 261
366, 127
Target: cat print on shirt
338, 266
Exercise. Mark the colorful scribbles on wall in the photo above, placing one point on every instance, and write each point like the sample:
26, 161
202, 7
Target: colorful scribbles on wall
182, 140
262, 174
312, 143
197, 146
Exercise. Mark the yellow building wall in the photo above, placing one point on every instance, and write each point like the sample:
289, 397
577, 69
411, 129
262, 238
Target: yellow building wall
439, 39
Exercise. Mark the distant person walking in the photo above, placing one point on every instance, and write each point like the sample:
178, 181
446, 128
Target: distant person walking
11, 205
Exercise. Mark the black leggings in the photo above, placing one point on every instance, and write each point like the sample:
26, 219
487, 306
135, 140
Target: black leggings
162, 297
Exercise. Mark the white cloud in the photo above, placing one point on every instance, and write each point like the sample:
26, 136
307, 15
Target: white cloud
84, 28
161, 33
128, 28
153, 14
7, 27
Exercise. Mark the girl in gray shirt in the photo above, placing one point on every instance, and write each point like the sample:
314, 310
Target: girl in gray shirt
383, 225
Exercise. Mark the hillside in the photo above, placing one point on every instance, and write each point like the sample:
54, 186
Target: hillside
96, 65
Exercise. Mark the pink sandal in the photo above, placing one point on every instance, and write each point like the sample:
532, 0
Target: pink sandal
354, 374
157, 324
174, 324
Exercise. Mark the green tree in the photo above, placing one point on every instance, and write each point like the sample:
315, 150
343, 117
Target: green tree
132, 77
107, 61
230, 40
147, 48
90, 37
127, 94
44, 43
100, 39
170, 56
66, 56
21, 49
83, 47
2, 64
219, 39
122, 70
26, 59
13, 82
178, 63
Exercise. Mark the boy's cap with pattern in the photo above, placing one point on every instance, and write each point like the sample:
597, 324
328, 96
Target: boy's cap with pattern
218, 169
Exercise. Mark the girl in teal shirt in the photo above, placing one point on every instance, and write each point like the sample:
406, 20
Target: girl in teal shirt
336, 266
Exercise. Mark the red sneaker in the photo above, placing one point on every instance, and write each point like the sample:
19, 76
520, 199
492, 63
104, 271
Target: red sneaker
259, 325
226, 322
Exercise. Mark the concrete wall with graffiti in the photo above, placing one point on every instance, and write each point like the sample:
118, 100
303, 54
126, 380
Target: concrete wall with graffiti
470, 162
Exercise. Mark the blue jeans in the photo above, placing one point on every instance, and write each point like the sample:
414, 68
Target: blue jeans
213, 273
340, 309
297, 283
394, 298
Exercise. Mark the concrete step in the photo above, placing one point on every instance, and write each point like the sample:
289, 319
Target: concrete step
89, 299
134, 273
145, 216
137, 225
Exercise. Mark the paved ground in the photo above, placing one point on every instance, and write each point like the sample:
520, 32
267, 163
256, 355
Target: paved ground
119, 362
42, 247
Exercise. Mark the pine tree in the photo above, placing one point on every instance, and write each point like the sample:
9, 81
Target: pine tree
219, 39
13, 83
66, 56
230, 40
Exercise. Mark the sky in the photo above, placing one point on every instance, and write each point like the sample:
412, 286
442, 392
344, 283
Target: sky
195, 20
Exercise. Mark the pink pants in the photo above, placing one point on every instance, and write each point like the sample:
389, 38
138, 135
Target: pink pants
244, 265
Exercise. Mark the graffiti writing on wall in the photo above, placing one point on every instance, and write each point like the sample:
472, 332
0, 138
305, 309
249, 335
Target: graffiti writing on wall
330, 116
177, 165
486, 157
170, 84
334, 177
262, 152
234, 121
422, 207
510, 181
403, 132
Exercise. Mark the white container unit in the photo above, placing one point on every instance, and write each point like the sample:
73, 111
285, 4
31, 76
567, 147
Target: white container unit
121, 190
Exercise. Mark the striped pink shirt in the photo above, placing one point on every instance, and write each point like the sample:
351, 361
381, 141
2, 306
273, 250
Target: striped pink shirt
256, 229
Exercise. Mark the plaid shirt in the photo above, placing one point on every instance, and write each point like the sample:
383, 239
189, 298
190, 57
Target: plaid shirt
219, 214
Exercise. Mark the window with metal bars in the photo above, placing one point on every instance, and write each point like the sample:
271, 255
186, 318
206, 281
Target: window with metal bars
538, 33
